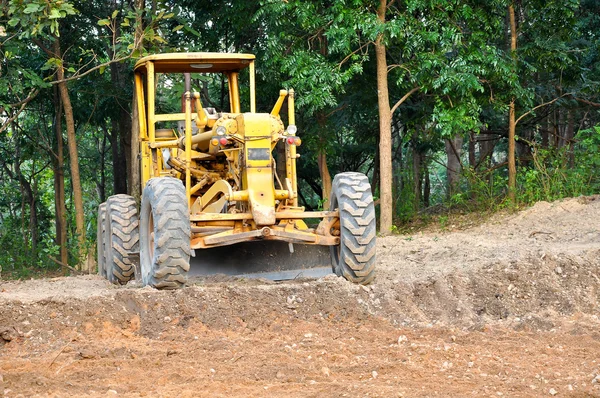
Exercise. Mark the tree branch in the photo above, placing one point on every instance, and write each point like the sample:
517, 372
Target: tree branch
87, 72
594, 104
539, 106
401, 100
23, 103
353, 52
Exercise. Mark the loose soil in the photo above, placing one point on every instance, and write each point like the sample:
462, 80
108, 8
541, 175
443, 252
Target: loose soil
507, 308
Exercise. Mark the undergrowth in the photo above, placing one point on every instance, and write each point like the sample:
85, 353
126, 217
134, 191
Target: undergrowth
551, 174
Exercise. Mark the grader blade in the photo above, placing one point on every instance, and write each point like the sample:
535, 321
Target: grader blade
269, 259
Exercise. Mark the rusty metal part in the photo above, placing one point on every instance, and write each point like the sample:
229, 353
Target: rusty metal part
281, 215
327, 224
180, 166
268, 233
209, 230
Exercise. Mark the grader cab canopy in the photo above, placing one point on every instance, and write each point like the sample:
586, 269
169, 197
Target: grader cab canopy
210, 179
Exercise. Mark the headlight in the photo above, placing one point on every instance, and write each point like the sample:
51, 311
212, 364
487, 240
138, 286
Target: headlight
221, 130
292, 129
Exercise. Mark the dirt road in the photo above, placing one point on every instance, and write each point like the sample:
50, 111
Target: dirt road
507, 308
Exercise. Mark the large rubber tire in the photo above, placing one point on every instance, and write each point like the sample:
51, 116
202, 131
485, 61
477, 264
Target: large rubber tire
121, 238
354, 258
164, 234
101, 240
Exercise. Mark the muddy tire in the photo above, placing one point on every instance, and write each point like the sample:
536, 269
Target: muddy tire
100, 240
164, 234
121, 238
354, 258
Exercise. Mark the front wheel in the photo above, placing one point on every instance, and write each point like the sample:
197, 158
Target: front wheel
354, 258
164, 234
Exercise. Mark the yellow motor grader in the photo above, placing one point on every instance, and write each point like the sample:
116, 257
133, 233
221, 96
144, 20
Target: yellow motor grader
210, 179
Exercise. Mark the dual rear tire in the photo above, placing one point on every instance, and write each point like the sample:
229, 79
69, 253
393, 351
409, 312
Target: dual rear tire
161, 235
118, 238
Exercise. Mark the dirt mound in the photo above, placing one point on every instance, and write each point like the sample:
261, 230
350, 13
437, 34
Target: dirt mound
508, 308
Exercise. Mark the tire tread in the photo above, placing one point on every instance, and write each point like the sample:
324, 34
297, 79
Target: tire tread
355, 258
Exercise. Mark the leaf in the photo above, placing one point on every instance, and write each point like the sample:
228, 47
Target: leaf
104, 22
52, 63
54, 14
114, 14
31, 8
102, 69
176, 28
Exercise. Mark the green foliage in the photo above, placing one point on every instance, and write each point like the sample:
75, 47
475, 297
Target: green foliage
37, 17
453, 52
564, 172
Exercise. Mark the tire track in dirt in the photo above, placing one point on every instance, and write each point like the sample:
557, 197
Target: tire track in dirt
501, 308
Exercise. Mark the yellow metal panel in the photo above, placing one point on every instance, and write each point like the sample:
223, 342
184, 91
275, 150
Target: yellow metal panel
279, 103
146, 164
234, 93
291, 106
141, 105
171, 117
229, 78
195, 62
188, 145
252, 89
150, 92
258, 172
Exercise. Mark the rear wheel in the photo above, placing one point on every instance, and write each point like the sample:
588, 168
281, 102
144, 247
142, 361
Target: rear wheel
121, 238
354, 258
100, 240
164, 234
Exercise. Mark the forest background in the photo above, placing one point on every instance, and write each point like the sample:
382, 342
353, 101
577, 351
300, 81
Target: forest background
447, 105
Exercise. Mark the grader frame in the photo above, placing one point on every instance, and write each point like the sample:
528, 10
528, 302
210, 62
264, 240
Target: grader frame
216, 183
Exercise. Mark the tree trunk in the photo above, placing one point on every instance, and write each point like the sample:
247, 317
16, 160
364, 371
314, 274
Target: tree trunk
417, 178
60, 210
472, 158
454, 165
561, 127
569, 135
376, 179
134, 183
545, 132
385, 131
118, 159
325, 177
555, 128
487, 142
397, 164
27, 195
120, 122
322, 161
73, 156
101, 185
427, 187
512, 168
28, 191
